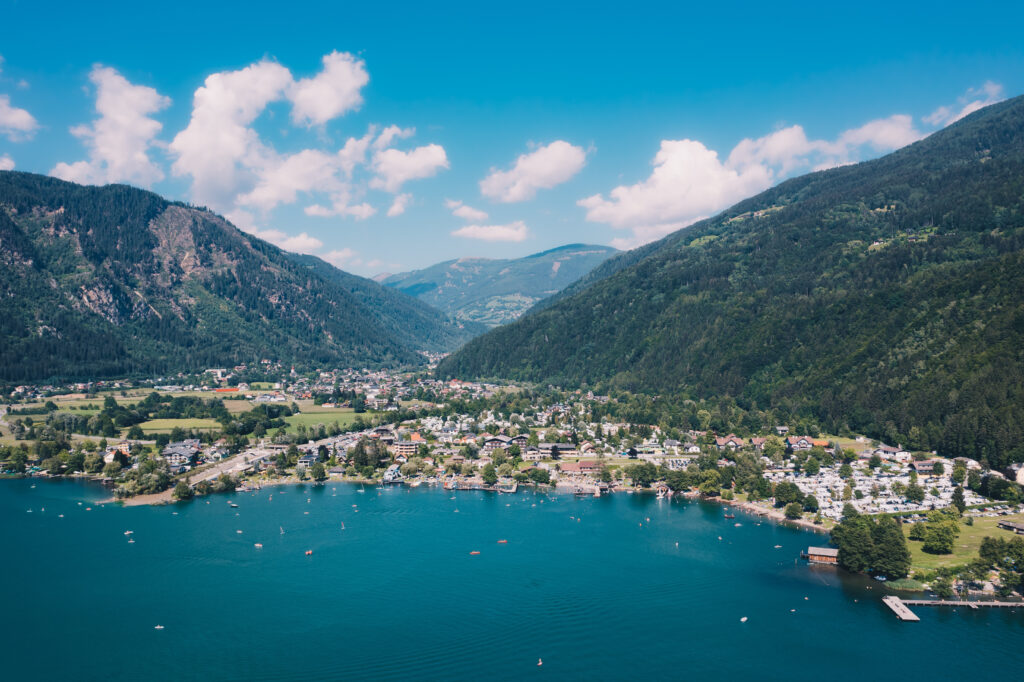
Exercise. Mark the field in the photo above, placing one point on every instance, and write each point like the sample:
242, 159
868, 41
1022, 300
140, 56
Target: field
966, 546
154, 426
319, 415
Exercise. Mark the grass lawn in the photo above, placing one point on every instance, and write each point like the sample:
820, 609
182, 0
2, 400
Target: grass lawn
849, 443
322, 416
165, 425
77, 403
966, 545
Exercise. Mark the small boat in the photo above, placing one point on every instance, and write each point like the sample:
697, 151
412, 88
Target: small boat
729, 516
239, 532
282, 530
233, 505
128, 532
778, 546
158, 627
132, 541
474, 553
743, 619
540, 661
737, 524
502, 542
309, 552
258, 545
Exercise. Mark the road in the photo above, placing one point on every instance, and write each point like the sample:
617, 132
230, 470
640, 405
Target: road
233, 465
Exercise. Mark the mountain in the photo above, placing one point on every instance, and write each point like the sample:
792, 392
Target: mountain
887, 297
494, 292
113, 281
409, 320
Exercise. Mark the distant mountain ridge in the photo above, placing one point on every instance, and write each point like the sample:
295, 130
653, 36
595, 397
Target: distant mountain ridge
497, 291
113, 281
885, 297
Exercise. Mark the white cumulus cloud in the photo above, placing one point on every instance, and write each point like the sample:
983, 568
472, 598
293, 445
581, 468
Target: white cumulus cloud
543, 168
284, 177
971, 101
119, 141
390, 134
218, 148
395, 167
460, 210
300, 243
340, 257
332, 92
690, 182
399, 205
342, 205
6, 162
16, 124
513, 232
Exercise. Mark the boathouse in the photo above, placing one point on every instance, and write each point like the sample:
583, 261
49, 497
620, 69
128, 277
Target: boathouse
822, 555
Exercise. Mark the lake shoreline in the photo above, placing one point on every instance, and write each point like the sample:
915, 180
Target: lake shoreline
752, 508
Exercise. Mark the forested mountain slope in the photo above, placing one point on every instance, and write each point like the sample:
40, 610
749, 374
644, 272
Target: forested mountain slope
496, 291
886, 296
108, 281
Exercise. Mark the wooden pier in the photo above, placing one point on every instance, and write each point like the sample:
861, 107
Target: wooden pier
901, 606
968, 604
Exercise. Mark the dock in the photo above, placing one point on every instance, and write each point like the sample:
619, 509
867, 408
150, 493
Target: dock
967, 604
900, 608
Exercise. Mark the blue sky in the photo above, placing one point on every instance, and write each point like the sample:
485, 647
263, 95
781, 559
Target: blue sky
390, 139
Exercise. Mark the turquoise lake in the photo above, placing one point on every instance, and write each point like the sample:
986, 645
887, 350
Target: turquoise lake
591, 586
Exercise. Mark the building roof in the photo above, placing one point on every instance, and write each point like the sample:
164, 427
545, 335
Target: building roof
822, 551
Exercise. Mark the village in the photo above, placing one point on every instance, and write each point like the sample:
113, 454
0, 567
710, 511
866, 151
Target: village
415, 441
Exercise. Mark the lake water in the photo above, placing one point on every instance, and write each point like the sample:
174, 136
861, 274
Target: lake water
588, 585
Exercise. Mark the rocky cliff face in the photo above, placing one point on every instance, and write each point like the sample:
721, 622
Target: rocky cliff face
114, 280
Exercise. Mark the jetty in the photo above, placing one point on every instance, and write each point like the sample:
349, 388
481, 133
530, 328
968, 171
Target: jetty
901, 607
968, 604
